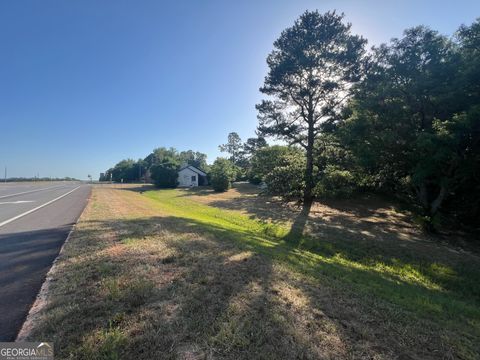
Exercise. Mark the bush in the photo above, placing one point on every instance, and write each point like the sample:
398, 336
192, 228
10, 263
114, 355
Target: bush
222, 173
288, 178
266, 159
165, 175
254, 179
335, 182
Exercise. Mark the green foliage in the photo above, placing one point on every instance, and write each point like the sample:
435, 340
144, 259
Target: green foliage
287, 177
412, 127
194, 158
234, 147
254, 179
158, 165
252, 145
459, 141
222, 173
165, 174
190, 157
311, 70
126, 171
161, 154
241, 153
335, 182
268, 158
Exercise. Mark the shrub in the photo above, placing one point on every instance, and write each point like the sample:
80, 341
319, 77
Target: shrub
268, 158
335, 182
222, 173
288, 178
165, 175
254, 179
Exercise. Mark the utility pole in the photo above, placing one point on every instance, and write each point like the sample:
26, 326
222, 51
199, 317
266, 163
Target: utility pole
5, 174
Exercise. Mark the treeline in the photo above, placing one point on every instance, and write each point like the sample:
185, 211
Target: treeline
160, 167
402, 118
32, 179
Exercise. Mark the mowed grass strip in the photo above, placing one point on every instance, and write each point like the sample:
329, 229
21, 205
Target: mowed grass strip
159, 274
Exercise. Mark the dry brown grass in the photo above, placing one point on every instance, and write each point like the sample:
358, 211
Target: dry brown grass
136, 282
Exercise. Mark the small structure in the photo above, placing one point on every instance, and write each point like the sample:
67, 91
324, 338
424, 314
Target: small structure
190, 176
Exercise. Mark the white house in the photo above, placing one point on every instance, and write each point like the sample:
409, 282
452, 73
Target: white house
190, 176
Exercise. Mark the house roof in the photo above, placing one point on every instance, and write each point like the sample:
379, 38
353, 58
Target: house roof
194, 169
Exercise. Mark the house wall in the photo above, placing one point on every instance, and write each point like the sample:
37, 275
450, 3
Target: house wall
185, 178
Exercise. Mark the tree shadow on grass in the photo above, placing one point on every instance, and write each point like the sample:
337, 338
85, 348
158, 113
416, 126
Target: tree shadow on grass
219, 302
140, 188
367, 242
261, 207
296, 232
222, 294
367, 222
197, 191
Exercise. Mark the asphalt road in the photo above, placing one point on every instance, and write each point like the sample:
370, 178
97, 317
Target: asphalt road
35, 220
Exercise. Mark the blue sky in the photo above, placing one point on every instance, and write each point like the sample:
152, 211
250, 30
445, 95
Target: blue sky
84, 84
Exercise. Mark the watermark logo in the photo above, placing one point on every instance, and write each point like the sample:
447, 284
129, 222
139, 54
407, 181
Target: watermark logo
26, 351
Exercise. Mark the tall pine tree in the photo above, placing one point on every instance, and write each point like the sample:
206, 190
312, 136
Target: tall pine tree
311, 71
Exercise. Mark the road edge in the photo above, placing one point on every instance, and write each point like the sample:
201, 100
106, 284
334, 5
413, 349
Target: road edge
41, 299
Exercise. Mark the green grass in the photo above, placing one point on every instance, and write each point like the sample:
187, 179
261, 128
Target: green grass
174, 274
414, 284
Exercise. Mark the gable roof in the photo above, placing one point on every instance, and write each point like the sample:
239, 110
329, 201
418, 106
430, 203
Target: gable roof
194, 169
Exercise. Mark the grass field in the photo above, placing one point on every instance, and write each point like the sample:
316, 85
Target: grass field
192, 274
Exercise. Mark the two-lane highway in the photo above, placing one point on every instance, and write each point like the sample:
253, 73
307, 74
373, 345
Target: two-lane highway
35, 220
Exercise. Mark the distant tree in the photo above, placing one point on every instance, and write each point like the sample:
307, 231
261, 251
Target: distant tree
312, 69
108, 175
142, 169
165, 174
234, 147
159, 155
194, 158
252, 145
222, 174
162, 154
125, 170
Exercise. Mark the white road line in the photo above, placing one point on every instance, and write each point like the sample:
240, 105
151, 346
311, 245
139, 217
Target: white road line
31, 191
16, 202
37, 208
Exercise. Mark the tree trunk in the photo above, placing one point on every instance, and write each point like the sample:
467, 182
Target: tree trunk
430, 207
422, 195
309, 183
307, 194
435, 205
